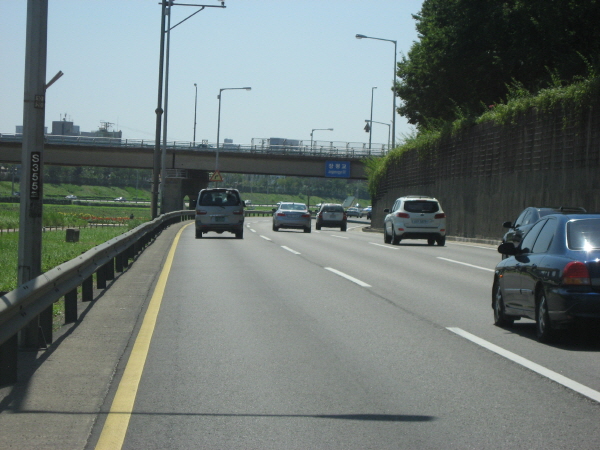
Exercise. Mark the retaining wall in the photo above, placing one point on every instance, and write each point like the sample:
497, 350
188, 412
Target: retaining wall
490, 172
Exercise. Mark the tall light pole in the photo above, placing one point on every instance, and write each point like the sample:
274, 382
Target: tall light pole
382, 123
159, 160
362, 36
316, 129
195, 111
371, 125
219, 120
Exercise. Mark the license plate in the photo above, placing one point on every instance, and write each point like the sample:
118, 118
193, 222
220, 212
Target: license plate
220, 219
421, 220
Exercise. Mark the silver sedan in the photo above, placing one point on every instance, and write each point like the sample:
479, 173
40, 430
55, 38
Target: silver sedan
292, 215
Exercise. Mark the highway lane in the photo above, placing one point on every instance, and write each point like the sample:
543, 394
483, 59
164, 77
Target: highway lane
451, 286
261, 346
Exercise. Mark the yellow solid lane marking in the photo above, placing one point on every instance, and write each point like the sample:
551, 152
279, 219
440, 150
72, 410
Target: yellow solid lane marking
115, 427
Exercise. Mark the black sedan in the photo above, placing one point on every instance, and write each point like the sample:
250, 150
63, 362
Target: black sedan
552, 276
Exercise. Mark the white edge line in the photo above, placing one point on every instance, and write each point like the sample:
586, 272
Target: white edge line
265, 238
465, 264
541, 370
254, 231
290, 250
339, 237
348, 277
383, 245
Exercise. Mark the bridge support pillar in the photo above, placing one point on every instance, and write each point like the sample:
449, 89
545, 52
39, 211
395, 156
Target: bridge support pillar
176, 189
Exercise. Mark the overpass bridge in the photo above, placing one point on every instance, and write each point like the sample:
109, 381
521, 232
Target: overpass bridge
189, 164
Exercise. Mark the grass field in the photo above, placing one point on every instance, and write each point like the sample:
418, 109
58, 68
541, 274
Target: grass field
55, 249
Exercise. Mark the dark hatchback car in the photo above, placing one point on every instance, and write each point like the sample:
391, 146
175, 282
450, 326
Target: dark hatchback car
529, 216
331, 215
552, 276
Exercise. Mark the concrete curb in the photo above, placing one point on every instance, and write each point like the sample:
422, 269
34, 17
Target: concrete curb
486, 241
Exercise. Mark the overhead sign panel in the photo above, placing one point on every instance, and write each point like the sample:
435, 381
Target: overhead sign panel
337, 169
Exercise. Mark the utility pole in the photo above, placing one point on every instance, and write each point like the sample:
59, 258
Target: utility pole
32, 163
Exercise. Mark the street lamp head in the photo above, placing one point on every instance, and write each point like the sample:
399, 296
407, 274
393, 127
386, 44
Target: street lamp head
195, 84
361, 36
248, 88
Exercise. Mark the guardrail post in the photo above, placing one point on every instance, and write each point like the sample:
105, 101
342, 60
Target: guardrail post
101, 278
87, 289
119, 263
71, 306
46, 327
109, 268
9, 352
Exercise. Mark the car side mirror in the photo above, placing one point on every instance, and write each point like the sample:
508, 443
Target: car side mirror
507, 225
507, 248
386, 210
274, 209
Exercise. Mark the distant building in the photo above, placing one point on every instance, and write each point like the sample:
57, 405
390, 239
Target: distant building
65, 127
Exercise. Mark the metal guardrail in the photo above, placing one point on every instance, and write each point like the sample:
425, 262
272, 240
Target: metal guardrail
25, 303
260, 146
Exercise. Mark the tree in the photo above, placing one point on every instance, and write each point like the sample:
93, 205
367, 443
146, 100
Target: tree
470, 51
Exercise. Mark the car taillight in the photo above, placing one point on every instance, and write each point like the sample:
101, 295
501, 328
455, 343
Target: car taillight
280, 214
306, 215
440, 216
345, 217
576, 273
238, 212
403, 215
200, 212
320, 215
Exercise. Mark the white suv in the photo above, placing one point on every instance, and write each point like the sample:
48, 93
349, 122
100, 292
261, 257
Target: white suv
219, 210
415, 217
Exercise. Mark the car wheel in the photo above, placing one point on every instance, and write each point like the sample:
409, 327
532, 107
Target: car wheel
318, 227
275, 228
307, 230
543, 327
430, 241
343, 227
198, 234
386, 238
395, 239
441, 241
500, 317
239, 234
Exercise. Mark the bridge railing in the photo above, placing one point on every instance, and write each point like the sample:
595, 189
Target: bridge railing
34, 298
333, 149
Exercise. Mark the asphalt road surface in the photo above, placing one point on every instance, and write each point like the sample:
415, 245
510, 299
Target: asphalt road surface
335, 340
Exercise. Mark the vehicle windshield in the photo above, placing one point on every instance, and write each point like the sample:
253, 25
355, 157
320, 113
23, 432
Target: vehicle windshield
421, 206
583, 234
333, 208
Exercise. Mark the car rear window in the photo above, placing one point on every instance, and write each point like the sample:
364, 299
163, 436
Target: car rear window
583, 234
219, 198
421, 206
333, 208
293, 206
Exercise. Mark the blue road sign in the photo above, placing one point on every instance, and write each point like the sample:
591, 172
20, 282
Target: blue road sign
337, 169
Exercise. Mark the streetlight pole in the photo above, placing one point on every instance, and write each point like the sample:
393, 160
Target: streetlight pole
362, 36
371, 125
160, 160
316, 129
195, 111
219, 120
371, 122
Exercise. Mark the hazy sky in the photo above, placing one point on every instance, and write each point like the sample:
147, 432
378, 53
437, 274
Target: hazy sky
301, 58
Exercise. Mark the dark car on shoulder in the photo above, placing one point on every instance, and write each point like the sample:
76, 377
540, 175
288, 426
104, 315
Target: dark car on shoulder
552, 276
